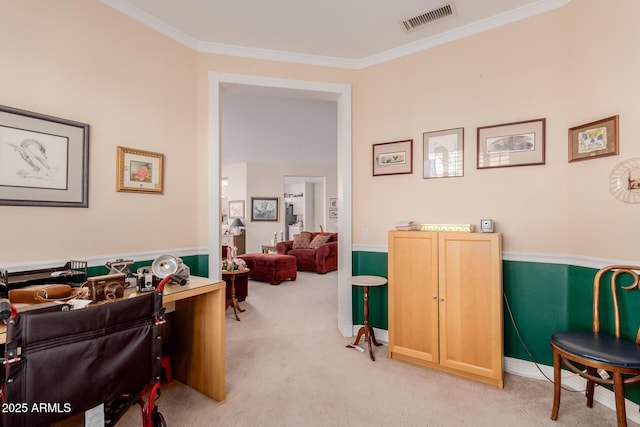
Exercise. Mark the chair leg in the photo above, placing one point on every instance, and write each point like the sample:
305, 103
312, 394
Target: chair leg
590, 386
618, 389
557, 375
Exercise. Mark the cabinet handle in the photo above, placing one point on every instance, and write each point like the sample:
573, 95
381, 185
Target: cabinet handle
442, 299
434, 297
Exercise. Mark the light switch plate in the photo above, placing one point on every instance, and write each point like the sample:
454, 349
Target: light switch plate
486, 225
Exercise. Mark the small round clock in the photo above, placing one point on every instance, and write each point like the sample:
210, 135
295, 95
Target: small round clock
624, 181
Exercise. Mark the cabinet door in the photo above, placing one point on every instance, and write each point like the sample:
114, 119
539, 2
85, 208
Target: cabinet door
470, 289
413, 295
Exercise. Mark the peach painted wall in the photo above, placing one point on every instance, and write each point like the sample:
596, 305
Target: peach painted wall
571, 66
602, 79
86, 62
83, 61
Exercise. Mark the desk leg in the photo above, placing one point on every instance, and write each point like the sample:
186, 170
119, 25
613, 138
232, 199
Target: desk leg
198, 351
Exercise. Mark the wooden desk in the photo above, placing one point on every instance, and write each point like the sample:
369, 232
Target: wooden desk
198, 345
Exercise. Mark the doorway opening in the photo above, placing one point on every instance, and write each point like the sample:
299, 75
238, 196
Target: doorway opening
339, 93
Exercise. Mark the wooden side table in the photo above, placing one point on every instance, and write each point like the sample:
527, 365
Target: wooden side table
366, 331
232, 300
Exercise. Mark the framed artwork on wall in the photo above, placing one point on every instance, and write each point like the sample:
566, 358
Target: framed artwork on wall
44, 160
264, 209
393, 158
333, 203
443, 153
236, 209
139, 171
593, 140
512, 144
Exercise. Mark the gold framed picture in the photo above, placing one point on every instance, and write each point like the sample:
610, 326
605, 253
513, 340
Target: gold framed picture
139, 171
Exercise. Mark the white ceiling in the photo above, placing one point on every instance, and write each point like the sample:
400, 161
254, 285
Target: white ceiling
342, 33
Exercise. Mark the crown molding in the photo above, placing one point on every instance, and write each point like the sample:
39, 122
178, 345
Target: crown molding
276, 55
134, 12
518, 14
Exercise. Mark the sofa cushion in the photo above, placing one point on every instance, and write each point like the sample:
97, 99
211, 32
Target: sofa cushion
318, 240
302, 240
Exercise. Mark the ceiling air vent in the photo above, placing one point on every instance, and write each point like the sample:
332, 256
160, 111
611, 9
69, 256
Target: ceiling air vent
428, 17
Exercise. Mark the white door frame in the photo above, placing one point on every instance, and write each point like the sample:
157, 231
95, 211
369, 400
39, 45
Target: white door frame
341, 93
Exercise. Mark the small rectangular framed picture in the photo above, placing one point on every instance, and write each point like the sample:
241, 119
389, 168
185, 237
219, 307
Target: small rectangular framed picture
593, 140
512, 144
333, 213
236, 209
333, 203
264, 209
139, 171
393, 158
443, 153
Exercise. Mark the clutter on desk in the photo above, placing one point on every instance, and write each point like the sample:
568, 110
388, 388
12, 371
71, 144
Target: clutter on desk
121, 266
73, 273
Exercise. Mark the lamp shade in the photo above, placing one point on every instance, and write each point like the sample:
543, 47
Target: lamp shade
237, 223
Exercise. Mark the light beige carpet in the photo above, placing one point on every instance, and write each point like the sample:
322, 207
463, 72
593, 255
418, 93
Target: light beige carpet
287, 365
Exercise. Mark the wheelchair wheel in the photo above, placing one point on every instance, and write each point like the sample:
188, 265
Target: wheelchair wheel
158, 419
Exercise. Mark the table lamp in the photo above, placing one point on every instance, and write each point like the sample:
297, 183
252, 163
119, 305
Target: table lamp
235, 226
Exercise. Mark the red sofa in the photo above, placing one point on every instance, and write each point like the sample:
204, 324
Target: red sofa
322, 259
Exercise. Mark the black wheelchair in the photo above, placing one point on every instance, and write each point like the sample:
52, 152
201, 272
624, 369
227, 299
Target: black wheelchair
59, 362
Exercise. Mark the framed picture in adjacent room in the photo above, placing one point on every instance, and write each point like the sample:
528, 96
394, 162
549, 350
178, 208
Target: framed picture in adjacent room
264, 209
595, 139
236, 209
393, 158
443, 153
139, 171
44, 160
512, 144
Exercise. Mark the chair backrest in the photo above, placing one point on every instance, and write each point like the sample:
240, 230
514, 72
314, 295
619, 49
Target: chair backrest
614, 271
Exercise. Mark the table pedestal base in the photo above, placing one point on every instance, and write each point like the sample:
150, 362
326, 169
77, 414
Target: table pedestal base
366, 331
233, 302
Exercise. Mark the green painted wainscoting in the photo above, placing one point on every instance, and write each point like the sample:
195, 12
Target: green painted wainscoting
539, 299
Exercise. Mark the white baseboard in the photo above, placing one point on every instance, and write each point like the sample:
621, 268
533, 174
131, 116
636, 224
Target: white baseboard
602, 395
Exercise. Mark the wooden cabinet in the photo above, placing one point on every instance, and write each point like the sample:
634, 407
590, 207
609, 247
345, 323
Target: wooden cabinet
231, 240
445, 302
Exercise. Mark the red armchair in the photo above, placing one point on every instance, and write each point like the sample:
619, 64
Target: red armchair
321, 259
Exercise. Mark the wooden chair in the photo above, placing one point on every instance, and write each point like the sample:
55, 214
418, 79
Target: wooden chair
599, 351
